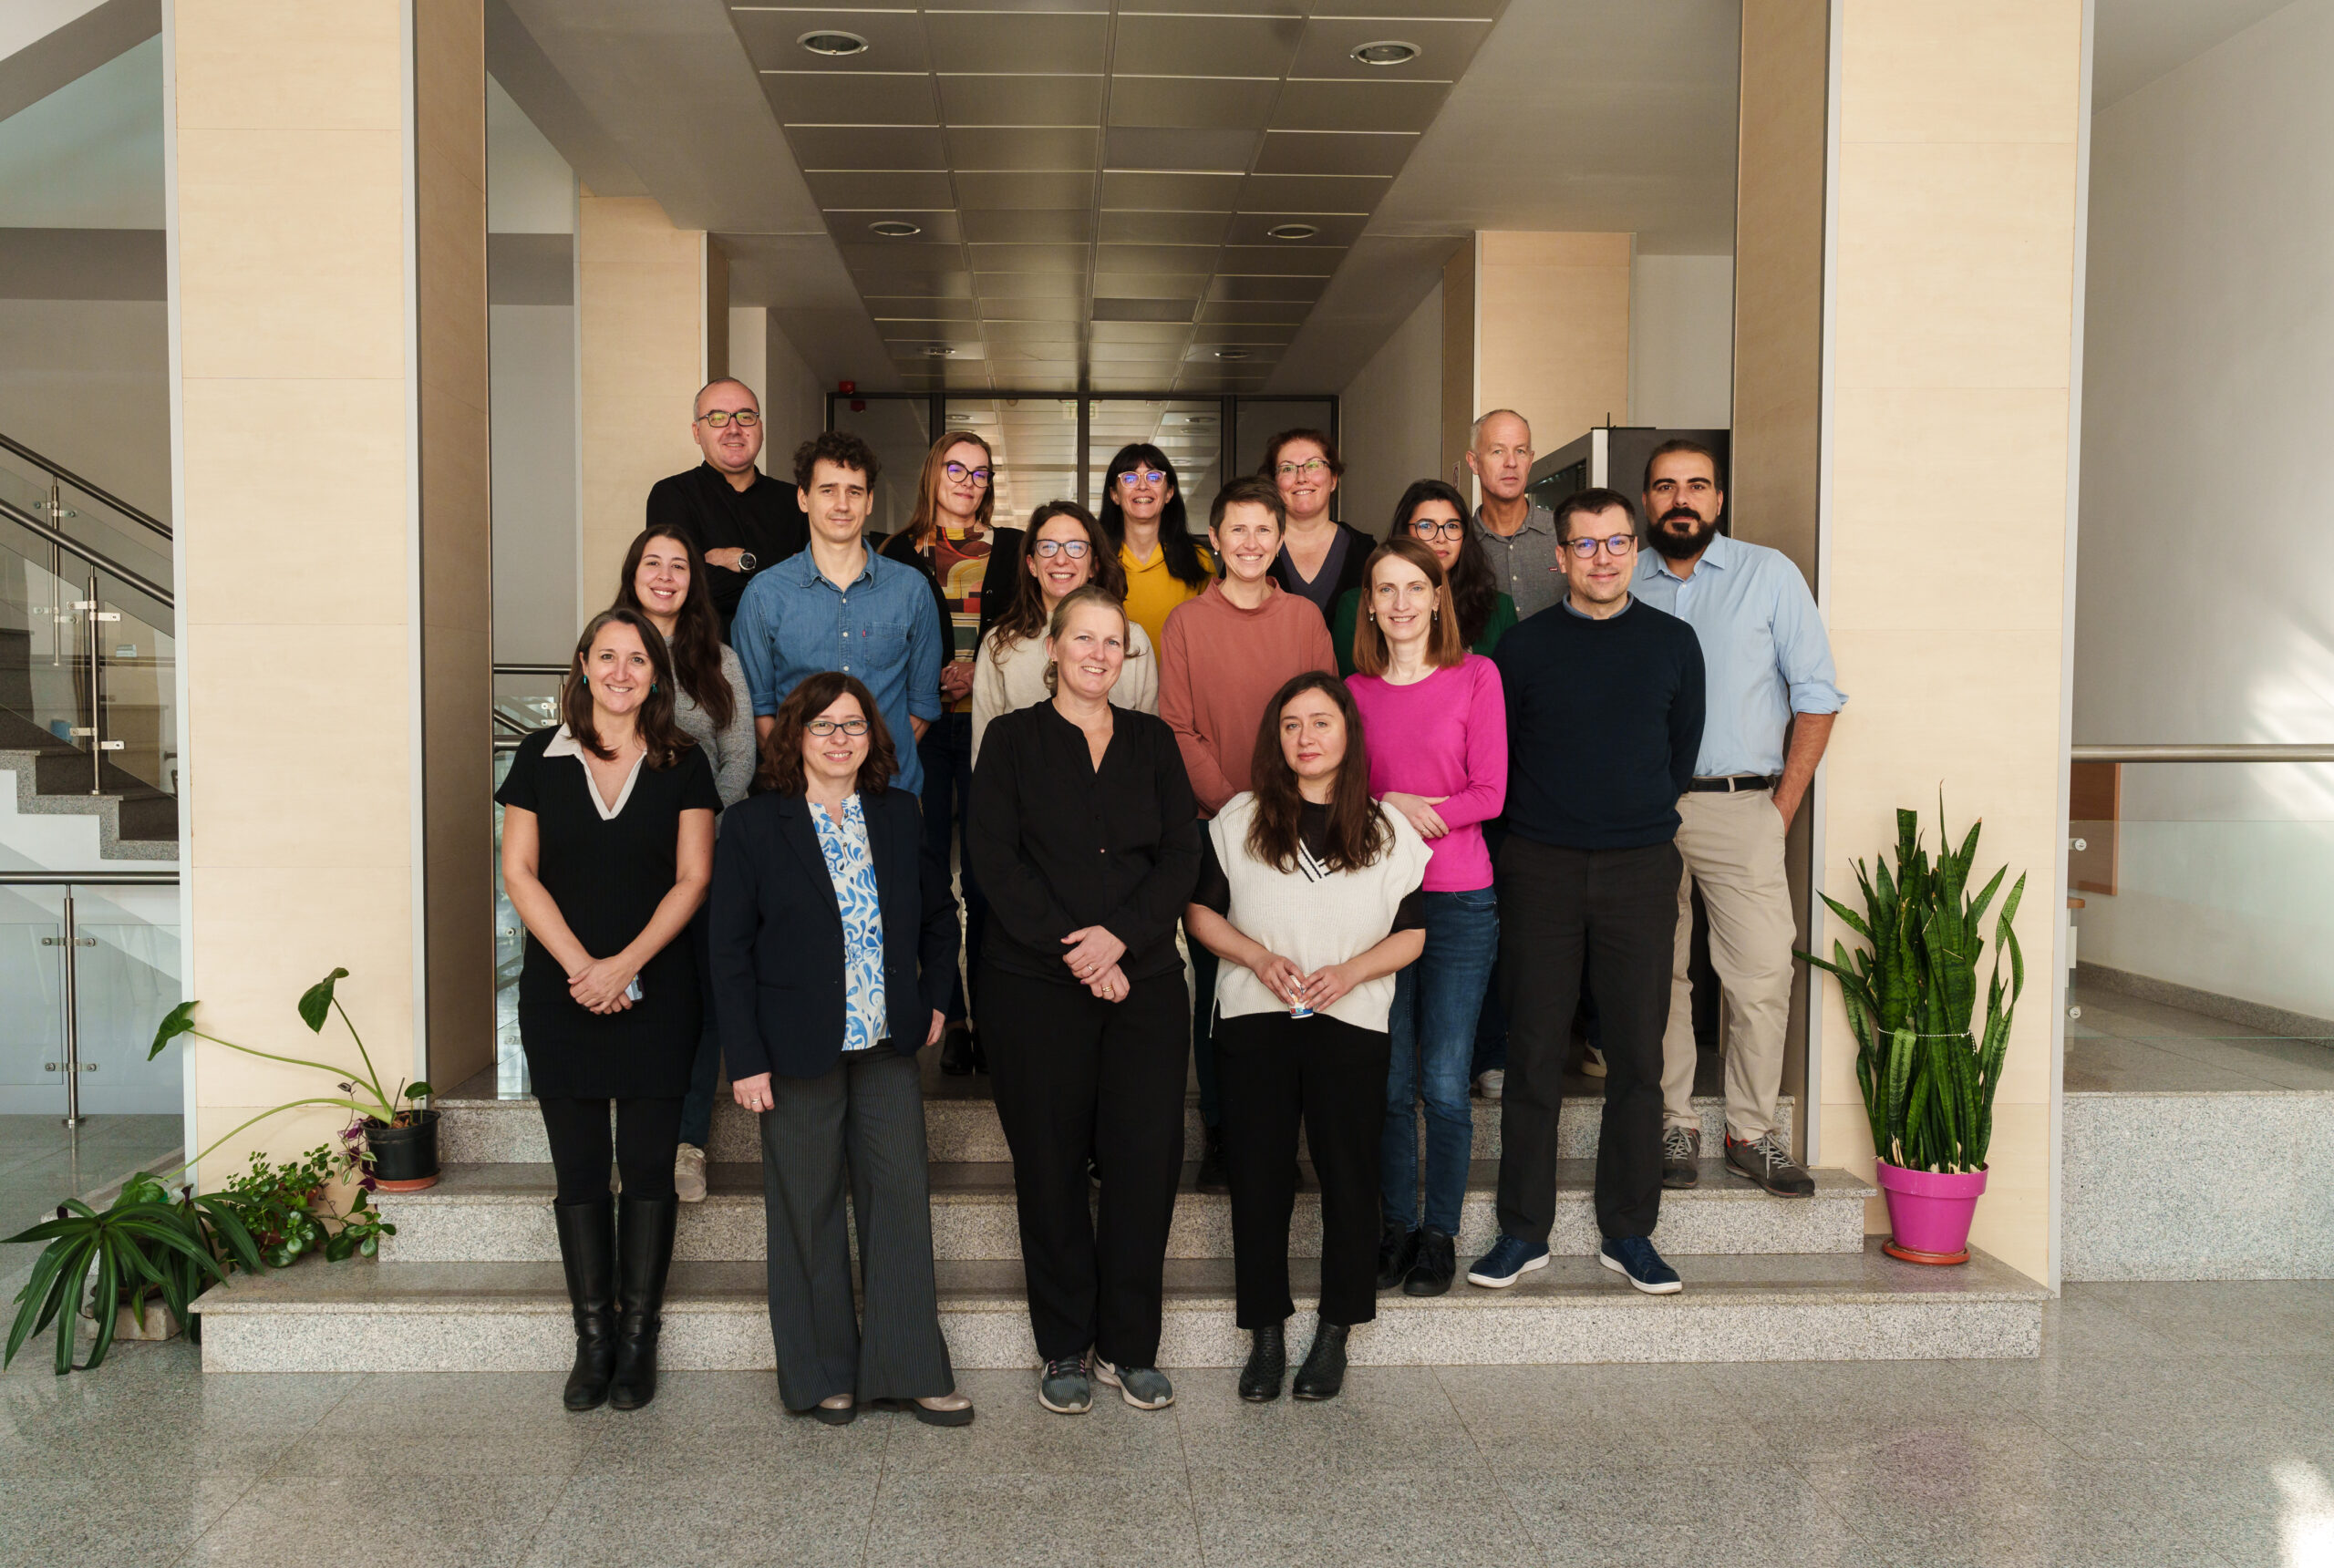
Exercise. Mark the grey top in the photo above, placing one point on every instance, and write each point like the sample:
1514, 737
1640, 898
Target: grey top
1525, 564
730, 750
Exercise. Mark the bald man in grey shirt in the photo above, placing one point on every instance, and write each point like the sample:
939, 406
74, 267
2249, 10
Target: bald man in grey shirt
1518, 536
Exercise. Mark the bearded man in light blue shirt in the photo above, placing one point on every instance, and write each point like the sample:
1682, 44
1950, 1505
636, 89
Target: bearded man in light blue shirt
1772, 702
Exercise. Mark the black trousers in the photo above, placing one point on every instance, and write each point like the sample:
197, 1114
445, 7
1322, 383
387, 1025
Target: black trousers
1074, 1075
1277, 1070
1618, 908
647, 1136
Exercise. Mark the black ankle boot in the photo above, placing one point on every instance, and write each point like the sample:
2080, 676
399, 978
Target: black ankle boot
644, 1254
587, 1247
1397, 1249
1267, 1365
1324, 1372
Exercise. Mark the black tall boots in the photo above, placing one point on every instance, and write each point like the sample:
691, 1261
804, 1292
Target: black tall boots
587, 1247
645, 1250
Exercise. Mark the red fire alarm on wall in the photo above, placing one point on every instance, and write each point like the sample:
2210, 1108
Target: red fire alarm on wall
858, 405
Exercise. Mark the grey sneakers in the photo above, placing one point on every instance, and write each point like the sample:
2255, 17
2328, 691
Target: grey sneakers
1681, 1148
1765, 1160
1145, 1387
688, 1174
1491, 1083
1064, 1388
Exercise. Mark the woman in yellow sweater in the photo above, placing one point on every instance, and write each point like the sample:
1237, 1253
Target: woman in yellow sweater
1142, 512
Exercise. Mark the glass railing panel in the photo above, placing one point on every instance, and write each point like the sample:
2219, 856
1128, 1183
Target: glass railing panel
2200, 921
127, 980
115, 529
509, 950
43, 666
32, 1025
138, 660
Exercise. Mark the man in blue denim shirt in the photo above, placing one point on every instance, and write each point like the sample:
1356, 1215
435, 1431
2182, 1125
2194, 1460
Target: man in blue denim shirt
838, 605
1772, 704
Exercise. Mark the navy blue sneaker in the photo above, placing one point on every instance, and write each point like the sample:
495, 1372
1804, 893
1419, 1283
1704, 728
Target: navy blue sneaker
1508, 1261
1634, 1256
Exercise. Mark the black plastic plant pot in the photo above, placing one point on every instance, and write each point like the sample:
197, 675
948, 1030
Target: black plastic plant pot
404, 1158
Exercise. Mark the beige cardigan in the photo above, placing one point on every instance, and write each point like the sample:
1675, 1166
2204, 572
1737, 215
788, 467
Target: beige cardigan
1006, 681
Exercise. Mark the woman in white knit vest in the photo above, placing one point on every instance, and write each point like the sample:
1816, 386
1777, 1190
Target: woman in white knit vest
1308, 894
1065, 551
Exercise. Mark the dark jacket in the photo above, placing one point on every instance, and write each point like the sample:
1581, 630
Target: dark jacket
997, 580
777, 934
1353, 572
766, 519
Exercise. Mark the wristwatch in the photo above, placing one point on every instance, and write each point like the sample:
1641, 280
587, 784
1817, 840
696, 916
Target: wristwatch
744, 560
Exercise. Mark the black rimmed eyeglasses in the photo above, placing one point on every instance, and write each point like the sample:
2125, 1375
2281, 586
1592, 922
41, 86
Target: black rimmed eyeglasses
822, 727
719, 418
960, 473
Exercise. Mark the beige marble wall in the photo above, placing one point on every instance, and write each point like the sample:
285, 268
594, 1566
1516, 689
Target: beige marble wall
644, 290
300, 626
1956, 190
1551, 331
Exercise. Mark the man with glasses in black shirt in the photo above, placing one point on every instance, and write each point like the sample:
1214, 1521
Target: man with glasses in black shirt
743, 521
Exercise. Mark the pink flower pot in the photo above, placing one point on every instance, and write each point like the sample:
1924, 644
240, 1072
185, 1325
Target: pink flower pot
1928, 1213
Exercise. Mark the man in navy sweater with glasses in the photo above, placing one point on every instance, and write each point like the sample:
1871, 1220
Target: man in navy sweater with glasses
1604, 703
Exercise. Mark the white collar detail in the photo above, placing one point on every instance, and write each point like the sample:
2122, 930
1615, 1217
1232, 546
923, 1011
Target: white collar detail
564, 744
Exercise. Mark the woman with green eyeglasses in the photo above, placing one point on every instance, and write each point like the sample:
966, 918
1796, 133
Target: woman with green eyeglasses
1065, 550
1435, 514
1320, 558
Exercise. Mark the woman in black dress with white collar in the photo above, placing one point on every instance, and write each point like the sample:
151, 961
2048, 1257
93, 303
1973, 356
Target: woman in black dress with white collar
607, 849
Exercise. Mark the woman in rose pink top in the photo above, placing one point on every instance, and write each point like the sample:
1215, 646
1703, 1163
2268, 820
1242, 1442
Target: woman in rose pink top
1434, 722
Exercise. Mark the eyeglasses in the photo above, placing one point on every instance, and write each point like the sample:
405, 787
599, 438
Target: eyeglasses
960, 473
1142, 477
1618, 545
822, 727
1048, 549
1311, 469
1447, 528
719, 418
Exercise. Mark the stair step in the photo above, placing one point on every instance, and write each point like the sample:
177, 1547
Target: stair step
502, 1212
477, 1126
363, 1316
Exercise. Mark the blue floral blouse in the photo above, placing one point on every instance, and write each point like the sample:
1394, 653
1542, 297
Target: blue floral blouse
851, 866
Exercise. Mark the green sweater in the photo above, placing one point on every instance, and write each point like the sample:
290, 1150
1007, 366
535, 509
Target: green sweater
1349, 609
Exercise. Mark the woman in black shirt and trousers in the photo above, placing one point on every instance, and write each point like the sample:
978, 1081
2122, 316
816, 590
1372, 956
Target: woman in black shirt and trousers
607, 849
1084, 834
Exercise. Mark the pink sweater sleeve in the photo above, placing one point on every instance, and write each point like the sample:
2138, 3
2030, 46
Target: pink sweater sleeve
1486, 794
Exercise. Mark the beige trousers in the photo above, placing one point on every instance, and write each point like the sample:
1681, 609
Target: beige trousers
1733, 848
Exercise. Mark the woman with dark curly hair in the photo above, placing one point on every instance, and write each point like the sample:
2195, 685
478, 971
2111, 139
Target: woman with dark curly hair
834, 940
607, 844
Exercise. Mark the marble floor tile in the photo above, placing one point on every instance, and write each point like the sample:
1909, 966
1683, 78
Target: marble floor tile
2082, 1325
2116, 1065
152, 1399
1759, 1515
929, 1519
713, 1424
1012, 1434
2285, 1063
1536, 1416
444, 1520
706, 1524
2120, 1013
2230, 1317
1455, 1518
2182, 1409
437, 1423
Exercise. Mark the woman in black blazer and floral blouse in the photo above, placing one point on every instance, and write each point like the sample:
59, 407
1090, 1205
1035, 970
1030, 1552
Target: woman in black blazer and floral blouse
834, 942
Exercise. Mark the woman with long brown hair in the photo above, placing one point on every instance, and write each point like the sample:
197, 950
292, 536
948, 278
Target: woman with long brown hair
607, 847
1307, 895
665, 579
948, 539
835, 942
1066, 549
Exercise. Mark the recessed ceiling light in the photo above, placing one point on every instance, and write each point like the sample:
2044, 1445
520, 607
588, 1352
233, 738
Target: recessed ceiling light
1384, 52
938, 351
836, 43
1292, 231
895, 229
1232, 353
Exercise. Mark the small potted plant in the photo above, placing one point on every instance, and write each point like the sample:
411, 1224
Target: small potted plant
1911, 994
401, 1130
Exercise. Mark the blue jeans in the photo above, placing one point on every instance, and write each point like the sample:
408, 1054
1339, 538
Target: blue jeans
1433, 1030
946, 750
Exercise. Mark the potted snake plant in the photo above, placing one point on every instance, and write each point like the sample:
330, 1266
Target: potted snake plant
1928, 1066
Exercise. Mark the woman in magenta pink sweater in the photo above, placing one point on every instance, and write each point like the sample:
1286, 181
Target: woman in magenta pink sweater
1434, 721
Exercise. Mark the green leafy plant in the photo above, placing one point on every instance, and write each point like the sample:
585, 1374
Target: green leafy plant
363, 1095
1911, 996
140, 1246
290, 1211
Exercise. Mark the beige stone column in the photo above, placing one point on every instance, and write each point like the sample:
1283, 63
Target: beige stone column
652, 301
328, 305
1956, 200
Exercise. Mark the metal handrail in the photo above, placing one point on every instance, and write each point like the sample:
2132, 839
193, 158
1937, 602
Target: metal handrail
85, 487
530, 669
87, 556
2281, 751
89, 879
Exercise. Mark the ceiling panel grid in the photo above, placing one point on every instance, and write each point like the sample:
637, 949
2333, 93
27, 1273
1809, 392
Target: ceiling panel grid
1051, 195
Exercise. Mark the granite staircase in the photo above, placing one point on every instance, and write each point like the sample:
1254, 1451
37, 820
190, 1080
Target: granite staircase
472, 1281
